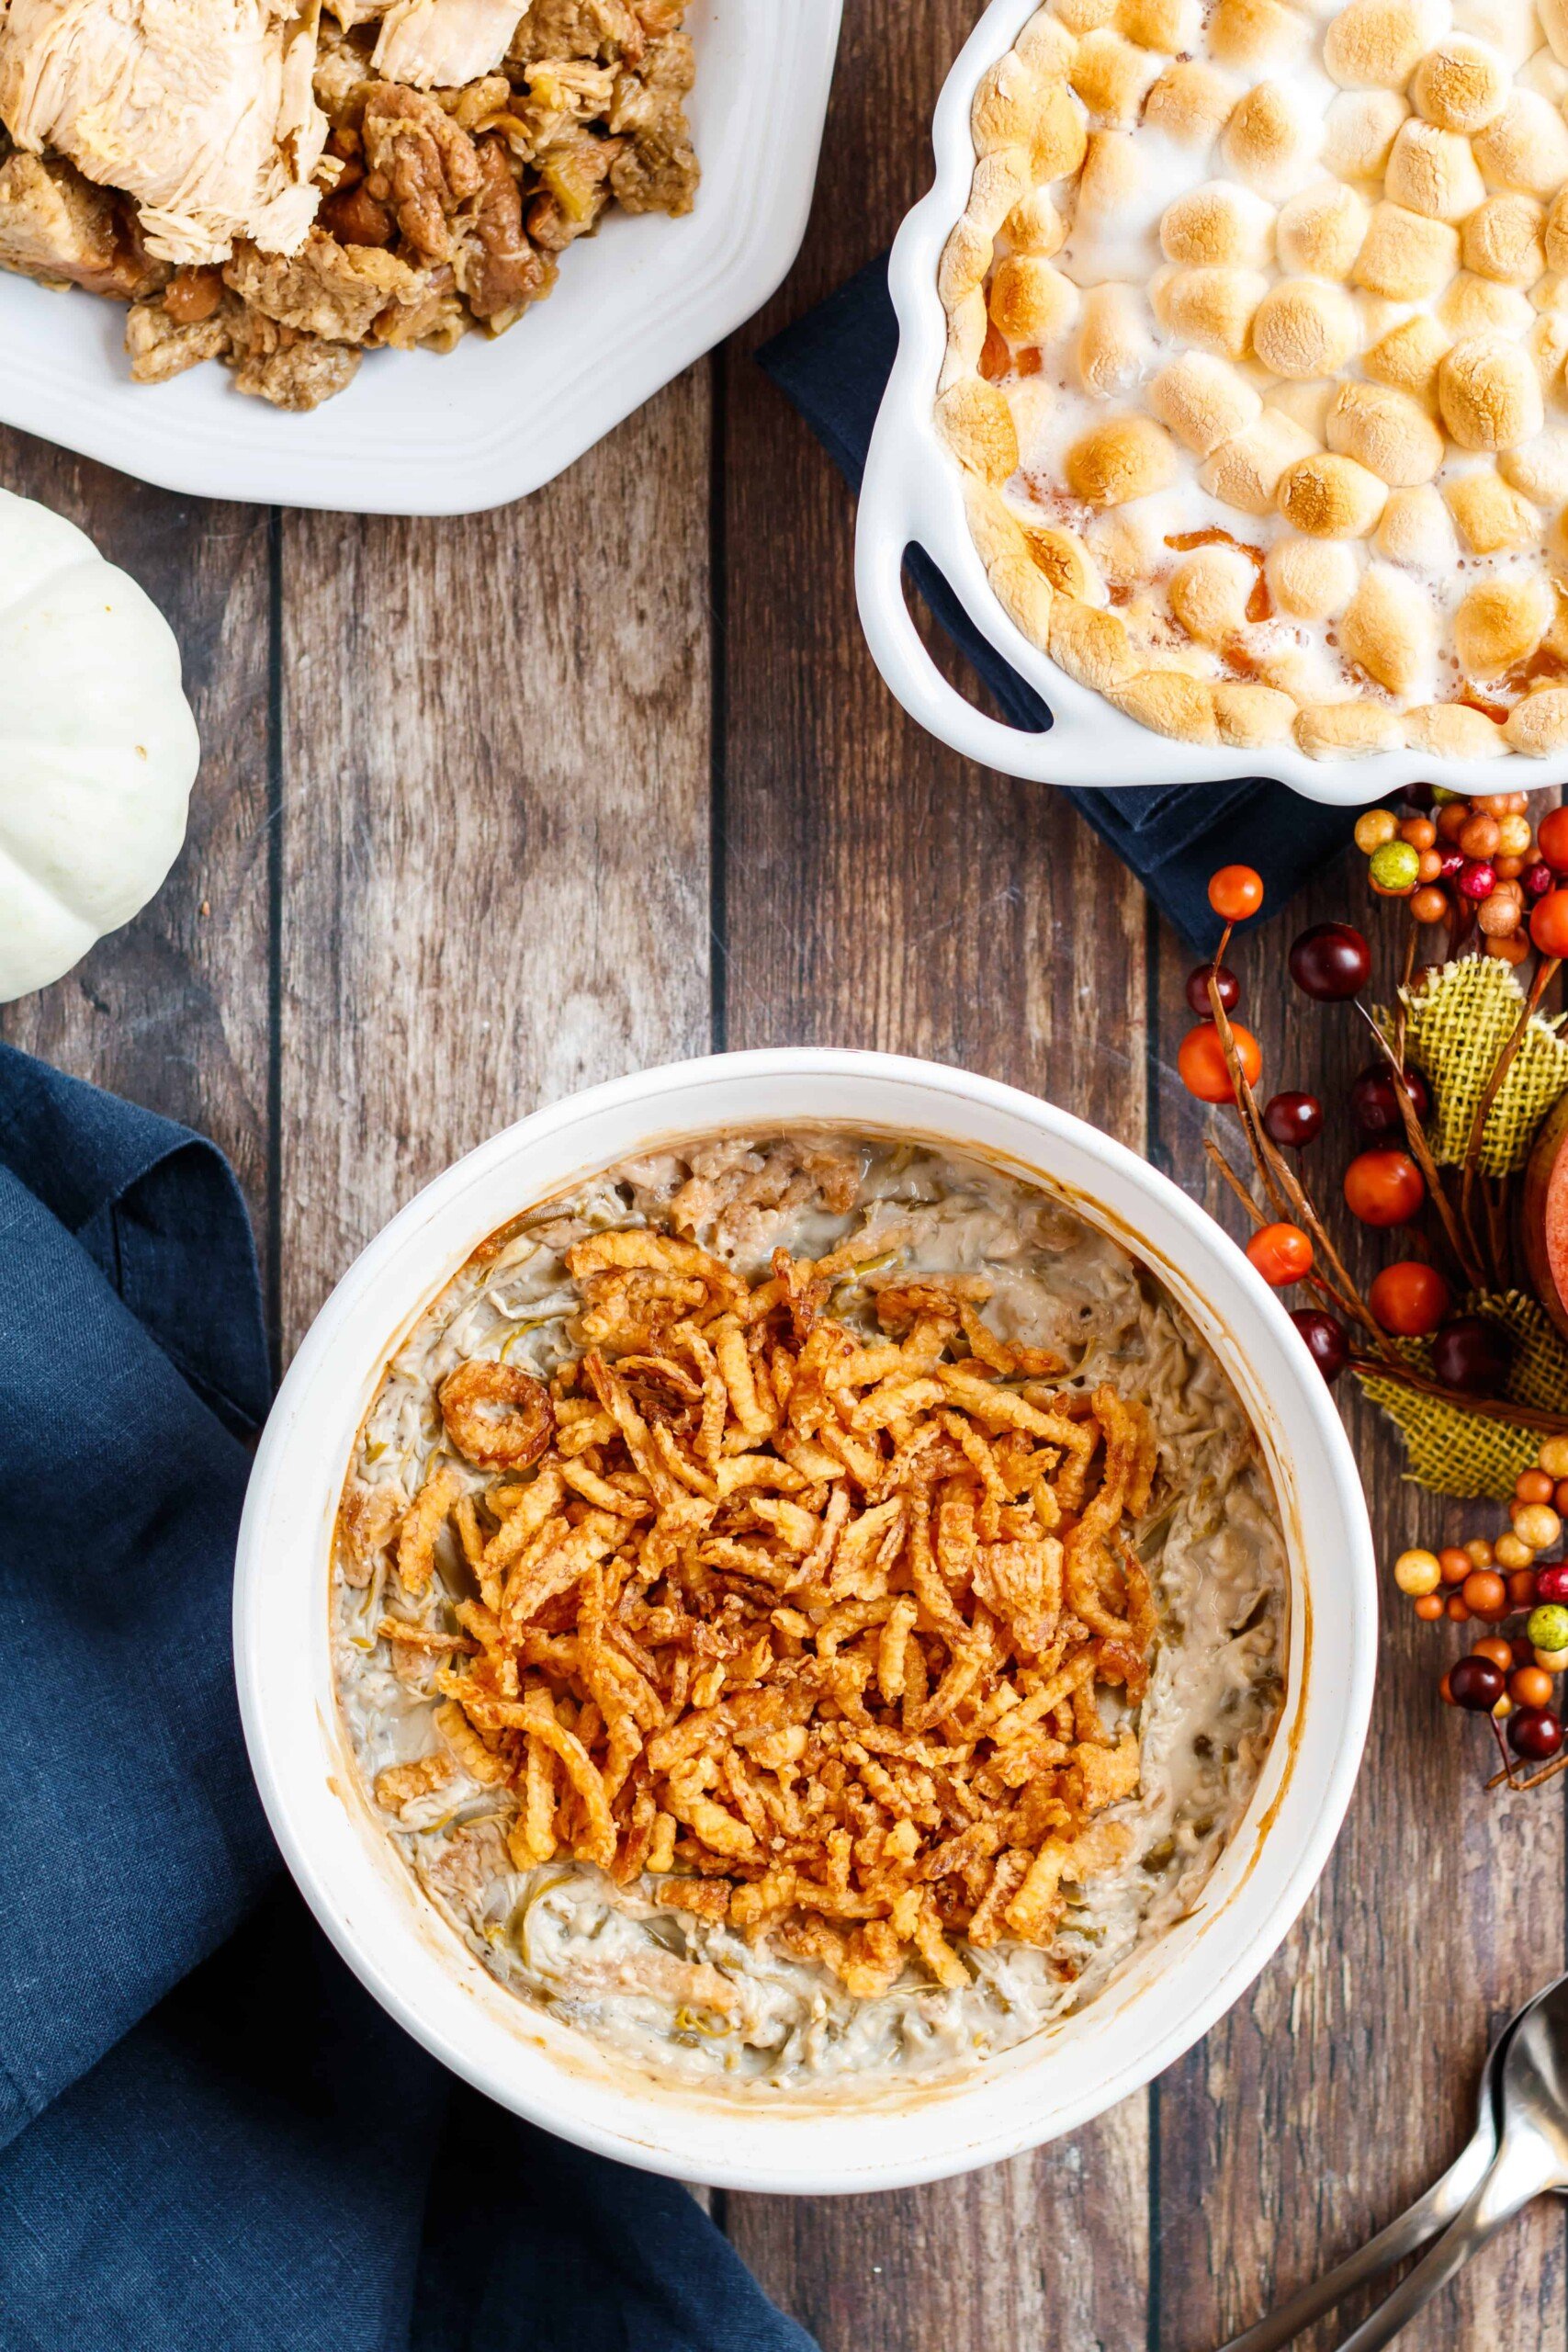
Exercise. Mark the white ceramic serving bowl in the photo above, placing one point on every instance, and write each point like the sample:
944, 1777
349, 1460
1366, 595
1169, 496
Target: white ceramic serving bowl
416, 1965
912, 494
419, 434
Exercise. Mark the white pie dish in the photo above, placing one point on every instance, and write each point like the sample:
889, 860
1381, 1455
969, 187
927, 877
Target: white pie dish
414, 1962
418, 433
912, 494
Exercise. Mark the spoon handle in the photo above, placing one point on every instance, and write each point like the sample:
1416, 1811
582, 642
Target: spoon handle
1513, 2181
1430, 2213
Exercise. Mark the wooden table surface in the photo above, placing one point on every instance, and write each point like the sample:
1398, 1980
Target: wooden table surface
493, 808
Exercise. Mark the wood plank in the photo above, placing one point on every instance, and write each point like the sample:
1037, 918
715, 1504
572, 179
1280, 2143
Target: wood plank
494, 824
881, 892
1345, 2081
173, 1009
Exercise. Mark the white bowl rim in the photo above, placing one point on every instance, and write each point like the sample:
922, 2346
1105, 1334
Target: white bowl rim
412, 1962
912, 494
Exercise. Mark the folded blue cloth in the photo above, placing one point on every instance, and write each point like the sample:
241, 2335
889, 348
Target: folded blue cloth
833, 363
211, 2137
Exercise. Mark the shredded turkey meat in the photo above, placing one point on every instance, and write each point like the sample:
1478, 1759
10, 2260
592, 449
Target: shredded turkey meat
283, 195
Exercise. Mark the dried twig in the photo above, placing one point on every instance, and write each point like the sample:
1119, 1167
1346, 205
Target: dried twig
1281, 1185
1498, 1239
1421, 1152
1547, 1772
1316, 1281
1405, 977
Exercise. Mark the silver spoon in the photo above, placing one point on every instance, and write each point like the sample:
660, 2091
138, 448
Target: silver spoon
1532, 2156
1431, 2213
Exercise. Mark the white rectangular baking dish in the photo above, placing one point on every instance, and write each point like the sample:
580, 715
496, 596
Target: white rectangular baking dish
912, 494
418, 433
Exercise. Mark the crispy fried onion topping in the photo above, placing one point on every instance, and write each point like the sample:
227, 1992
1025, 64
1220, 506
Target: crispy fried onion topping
812, 1626
497, 1416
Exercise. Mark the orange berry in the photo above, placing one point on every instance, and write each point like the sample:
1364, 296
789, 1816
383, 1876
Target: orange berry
1201, 1061
1485, 1594
1499, 1651
1282, 1253
1235, 892
1454, 1563
1548, 924
1383, 1187
1409, 1298
1430, 1607
1551, 839
1531, 1686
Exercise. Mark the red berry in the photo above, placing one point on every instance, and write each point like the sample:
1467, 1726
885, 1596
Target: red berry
1198, 988
1472, 1355
1293, 1120
1325, 1340
1452, 865
1548, 924
1534, 1733
1477, 879
1383, 1188
1552, 1582
1331, 960
1374, 1099
1475, 1684
1537, 879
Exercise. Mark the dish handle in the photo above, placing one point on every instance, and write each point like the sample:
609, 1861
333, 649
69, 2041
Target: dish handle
890, 521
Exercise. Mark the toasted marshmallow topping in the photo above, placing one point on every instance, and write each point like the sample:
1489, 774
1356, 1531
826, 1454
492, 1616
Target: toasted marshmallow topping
1258, 325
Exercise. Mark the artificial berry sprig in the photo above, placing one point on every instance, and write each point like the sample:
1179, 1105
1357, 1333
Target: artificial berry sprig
1392, 1179
1474, 866
1510, 1677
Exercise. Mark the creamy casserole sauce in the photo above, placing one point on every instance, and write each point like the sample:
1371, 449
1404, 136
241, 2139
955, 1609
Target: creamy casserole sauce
639, 1979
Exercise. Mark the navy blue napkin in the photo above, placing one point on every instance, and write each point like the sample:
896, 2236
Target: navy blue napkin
833, 364
211, 2137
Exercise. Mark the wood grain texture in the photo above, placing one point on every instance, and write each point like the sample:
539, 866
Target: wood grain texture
173, 1009
494, 821
452, 839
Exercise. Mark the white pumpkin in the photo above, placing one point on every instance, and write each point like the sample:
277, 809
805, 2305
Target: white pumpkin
97, 747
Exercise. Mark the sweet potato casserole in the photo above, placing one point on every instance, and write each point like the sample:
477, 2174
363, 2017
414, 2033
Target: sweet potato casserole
807, 1609
1257, 324
284, 191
